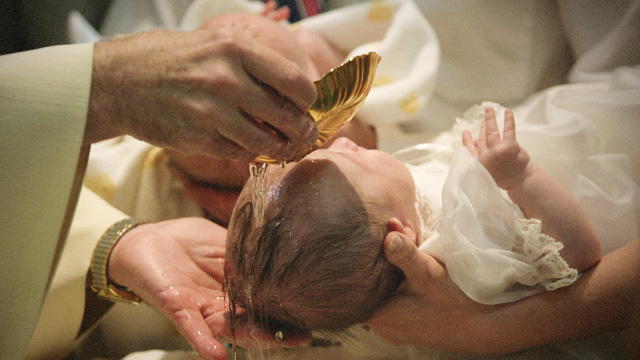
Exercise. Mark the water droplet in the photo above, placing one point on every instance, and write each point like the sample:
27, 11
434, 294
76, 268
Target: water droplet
258, 172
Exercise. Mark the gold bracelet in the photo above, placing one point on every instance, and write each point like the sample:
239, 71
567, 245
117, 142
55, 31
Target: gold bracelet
100, 283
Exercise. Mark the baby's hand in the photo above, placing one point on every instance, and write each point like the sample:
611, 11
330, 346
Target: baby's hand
505, 160
272, 11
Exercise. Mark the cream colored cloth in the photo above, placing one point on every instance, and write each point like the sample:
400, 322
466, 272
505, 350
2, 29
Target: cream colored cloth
43, 100
55, 334
44, 96
134, 177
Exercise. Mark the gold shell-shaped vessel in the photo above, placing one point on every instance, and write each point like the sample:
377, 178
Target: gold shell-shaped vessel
341, 92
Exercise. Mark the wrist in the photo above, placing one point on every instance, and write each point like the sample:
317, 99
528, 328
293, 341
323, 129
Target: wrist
125, 256
522, 182
114, 66
101, 282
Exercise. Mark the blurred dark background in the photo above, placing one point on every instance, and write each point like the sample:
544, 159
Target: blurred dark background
30, 24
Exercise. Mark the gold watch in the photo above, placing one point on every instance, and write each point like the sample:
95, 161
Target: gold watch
100, 283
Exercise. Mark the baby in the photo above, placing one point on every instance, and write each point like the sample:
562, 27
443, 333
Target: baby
315, 261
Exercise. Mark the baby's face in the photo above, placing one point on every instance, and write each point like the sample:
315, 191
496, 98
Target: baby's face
376, 176
373, 173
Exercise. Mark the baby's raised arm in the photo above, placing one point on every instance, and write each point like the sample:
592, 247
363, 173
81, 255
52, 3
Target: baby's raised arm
536, 193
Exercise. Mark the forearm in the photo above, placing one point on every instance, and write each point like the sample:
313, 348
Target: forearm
431, 311
126, 70
542, 197
602, 299
118, 83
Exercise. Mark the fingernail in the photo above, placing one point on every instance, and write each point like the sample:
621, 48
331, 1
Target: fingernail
395, 245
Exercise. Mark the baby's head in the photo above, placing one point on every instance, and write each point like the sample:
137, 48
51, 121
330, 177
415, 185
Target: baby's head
316, 260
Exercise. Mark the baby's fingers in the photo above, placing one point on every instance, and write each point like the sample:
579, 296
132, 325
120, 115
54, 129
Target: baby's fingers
491, 127
468, 141
509, 134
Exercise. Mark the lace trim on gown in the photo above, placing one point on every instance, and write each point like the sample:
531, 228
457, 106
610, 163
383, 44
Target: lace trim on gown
543, 252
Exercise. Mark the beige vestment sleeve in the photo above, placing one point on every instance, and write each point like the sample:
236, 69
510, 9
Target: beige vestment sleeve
61, 315
44, 96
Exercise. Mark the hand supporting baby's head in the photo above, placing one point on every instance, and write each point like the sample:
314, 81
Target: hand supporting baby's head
315, 262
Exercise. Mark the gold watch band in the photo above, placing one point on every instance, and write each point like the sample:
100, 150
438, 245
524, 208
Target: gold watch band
100, 283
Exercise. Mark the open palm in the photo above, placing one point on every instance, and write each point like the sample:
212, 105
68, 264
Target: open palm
177, 267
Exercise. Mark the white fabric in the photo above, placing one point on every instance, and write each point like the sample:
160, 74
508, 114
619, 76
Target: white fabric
569, 130
491, 251
410, 52
500, 51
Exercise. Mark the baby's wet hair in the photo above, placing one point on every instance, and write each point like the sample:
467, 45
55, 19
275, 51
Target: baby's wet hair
316, 262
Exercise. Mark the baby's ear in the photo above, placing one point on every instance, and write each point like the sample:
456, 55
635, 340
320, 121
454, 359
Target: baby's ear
405, 228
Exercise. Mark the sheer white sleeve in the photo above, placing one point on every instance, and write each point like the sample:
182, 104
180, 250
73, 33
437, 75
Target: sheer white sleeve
491, 251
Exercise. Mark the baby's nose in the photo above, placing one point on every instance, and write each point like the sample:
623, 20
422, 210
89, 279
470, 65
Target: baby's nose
343, 144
